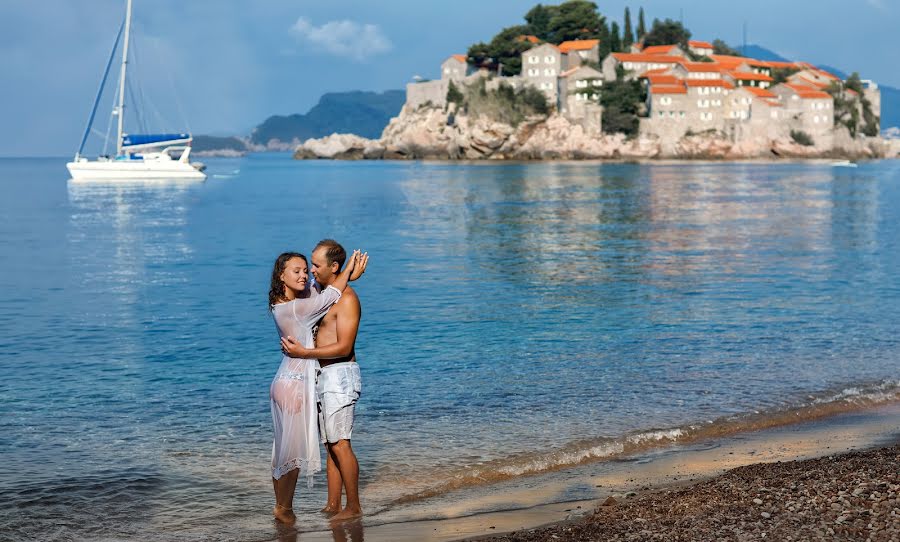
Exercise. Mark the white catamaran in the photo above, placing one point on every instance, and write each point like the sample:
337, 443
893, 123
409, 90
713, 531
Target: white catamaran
138, 156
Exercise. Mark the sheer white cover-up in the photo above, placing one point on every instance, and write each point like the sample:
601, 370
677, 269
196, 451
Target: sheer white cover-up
293, 390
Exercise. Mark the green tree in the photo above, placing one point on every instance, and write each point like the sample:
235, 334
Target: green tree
454, 95
667, 32
627, 35
615, 43
722, 48
641, 28
538, 19
621, 101
576, 19
504, 50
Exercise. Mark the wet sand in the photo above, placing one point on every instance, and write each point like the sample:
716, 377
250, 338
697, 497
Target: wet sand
670, 488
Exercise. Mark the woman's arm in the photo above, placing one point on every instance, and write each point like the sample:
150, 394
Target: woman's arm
309, 310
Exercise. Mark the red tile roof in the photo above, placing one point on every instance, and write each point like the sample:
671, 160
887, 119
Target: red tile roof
702, 67
528, 37
709, 83
809, 82
806, 92
749, 76
578, 45
668, 89
700, 44
642, 57
461, 58
660, 79
658, 49
760, 92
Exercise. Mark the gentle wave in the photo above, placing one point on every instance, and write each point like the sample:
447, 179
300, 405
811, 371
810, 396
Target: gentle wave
604, 449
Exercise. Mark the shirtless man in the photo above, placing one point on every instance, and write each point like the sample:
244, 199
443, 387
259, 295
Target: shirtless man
339, 383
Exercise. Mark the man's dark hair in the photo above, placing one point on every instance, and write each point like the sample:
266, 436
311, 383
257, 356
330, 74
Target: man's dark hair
334, 252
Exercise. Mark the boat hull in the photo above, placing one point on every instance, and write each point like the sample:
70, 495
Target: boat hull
133, 170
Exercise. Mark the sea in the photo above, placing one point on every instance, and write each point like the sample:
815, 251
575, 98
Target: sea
518, 320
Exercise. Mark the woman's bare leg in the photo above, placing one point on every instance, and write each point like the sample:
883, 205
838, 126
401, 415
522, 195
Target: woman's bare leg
284, 497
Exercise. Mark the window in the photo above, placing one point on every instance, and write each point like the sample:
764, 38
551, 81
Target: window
774, 114
661, 113
816, 119
681, 114
627, 65
549, 72
665, 100
533, 60
597, 82
594, 96
549, 59
580, 84
671, 114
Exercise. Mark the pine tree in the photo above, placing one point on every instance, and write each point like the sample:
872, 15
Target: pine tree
627, 36
615, 43
642, 28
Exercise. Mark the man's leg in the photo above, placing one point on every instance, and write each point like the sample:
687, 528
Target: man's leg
335, 483
343, 454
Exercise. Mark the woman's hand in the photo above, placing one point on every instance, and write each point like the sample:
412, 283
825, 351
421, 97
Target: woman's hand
292, 348
360, 266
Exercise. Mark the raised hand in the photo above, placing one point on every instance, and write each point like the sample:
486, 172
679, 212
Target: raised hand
360, 266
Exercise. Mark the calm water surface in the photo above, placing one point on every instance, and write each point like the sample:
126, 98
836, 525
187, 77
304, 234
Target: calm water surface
516, 317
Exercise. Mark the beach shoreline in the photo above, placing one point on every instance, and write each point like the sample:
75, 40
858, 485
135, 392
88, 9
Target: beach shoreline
523, 515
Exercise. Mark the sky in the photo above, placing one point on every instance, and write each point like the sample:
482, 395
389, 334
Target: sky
223, 66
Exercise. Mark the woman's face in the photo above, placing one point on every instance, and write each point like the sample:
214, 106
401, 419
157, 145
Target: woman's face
296, 274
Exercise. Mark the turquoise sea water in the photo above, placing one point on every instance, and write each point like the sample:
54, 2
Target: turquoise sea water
517, 318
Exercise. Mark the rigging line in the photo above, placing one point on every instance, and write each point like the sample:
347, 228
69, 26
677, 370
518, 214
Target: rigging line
184, 119
135, 91
100, 90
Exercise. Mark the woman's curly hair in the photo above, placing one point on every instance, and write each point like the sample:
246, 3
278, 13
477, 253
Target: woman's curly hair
276, 289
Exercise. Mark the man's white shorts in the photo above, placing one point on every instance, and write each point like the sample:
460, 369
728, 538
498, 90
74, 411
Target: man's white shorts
338, 388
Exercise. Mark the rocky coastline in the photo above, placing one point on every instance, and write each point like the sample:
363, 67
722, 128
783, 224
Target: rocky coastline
430, 133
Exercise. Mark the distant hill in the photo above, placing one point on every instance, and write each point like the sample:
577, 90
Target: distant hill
362, 113
204, 143
890, 96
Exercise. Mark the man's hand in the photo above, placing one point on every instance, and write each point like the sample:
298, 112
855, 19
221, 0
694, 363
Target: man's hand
360, 266
291, 347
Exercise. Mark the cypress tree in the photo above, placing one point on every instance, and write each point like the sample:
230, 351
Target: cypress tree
628, 35
615, 43
642, 28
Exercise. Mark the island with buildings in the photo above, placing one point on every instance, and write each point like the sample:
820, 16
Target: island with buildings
633, 98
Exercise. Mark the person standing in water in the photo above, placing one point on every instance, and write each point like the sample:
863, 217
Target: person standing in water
339, 385
296, 310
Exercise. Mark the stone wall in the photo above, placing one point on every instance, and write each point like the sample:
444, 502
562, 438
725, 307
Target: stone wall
435, 92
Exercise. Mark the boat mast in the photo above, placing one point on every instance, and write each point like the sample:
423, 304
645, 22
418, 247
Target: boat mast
121, 110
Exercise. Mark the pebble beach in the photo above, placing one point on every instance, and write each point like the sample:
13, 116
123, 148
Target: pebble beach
852, 496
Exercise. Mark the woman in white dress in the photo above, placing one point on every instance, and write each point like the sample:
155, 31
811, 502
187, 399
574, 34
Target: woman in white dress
296, 310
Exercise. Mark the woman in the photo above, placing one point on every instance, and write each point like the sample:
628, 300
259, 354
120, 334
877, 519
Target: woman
296, 310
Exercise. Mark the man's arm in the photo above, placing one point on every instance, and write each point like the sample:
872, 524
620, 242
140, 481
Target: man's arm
347, 328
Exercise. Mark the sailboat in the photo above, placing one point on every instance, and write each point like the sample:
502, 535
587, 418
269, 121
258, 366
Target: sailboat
138, 156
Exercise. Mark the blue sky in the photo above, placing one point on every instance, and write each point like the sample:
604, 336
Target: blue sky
223, 66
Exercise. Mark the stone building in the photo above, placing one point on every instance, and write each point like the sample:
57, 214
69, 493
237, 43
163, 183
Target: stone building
577, 52
579, 94
636, 64
541, 66
807, 109
455, 68
700, 48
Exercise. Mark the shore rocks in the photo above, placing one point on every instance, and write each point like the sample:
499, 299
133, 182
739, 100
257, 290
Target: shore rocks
429, 133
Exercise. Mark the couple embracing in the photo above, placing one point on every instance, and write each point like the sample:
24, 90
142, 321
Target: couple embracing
314, 392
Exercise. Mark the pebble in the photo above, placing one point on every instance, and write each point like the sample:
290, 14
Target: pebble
757, 501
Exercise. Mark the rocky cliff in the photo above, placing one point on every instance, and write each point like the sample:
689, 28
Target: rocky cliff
435, 134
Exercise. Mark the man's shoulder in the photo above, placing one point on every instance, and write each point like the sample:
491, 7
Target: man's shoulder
348, 299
